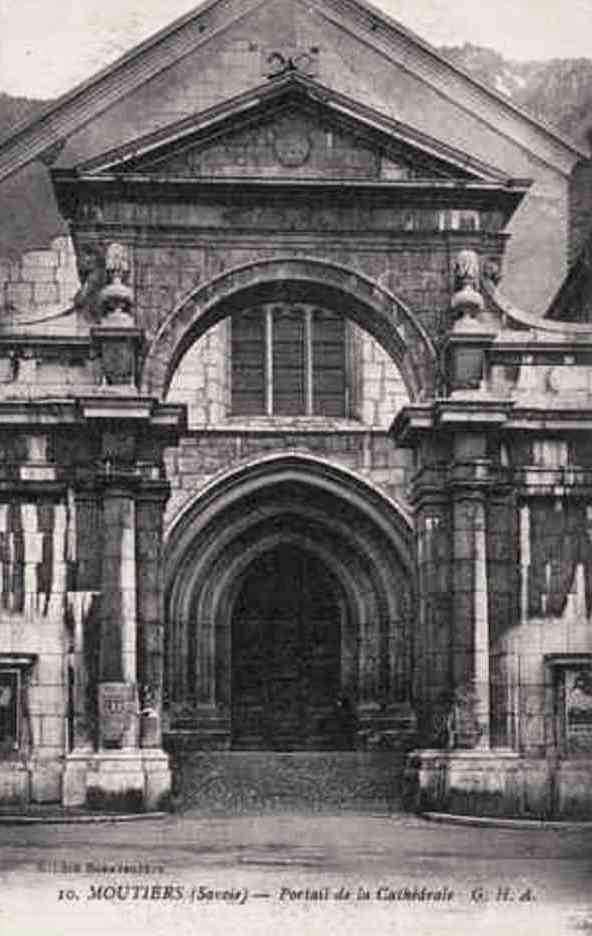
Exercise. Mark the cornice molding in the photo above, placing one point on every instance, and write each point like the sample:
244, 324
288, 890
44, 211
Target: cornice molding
249, 107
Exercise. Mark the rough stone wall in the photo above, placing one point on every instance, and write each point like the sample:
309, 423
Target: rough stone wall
39, 278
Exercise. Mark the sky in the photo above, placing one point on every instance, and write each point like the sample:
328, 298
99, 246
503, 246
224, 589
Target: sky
48, 47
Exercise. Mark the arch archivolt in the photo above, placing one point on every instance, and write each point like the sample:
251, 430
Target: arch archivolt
333, 286
362, 542
252, 476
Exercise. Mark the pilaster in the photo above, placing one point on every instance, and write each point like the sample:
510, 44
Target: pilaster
118, 695
151, 499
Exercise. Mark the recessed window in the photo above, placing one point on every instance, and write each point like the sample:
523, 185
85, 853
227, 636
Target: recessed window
288, 359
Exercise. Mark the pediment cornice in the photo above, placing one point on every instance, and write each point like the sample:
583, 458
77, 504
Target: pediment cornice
301, 95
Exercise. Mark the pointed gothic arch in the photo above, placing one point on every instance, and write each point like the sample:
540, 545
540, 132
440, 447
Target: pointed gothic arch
347, 532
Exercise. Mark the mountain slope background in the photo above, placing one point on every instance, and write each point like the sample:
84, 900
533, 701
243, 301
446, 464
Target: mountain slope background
557, 91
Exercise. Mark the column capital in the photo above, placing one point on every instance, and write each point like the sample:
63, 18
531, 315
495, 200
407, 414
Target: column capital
154, 490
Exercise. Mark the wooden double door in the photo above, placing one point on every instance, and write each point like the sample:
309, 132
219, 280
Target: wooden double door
286, 649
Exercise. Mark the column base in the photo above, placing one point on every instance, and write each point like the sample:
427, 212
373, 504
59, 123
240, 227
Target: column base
480, 783
118, 781
391, 729
15, 784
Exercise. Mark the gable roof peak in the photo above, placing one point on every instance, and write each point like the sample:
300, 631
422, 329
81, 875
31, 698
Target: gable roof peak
200, 25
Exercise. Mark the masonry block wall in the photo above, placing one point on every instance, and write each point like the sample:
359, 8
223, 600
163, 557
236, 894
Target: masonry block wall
202, 380
201, 456
39, 279
411, 252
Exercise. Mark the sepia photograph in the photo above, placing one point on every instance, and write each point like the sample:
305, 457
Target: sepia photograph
295, 468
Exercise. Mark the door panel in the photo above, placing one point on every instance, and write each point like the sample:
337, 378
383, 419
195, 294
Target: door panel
286, 655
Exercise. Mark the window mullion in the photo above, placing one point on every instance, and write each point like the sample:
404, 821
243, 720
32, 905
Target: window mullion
308, 363
269, 360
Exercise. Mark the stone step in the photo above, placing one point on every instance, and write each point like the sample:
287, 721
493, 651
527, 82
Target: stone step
255, 781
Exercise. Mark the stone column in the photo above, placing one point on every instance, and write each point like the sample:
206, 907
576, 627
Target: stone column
118, 703
369, 689
150, 504
432, 676
470, 615
86, 550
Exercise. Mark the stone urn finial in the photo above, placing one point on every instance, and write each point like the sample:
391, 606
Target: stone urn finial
467, 301
116, 298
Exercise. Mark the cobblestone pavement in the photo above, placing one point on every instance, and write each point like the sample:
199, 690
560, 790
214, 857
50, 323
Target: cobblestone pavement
284, 874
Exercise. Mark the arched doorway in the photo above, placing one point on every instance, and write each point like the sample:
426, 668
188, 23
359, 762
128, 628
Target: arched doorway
286, 656
290, 611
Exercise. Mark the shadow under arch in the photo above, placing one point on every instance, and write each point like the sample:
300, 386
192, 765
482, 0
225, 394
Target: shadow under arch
359, 535
335, 287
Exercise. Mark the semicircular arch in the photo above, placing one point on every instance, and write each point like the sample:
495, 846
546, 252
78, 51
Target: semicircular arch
373, 307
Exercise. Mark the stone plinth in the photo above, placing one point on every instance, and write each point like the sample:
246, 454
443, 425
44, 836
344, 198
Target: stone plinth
574, 792
15, 784
497, 783
131, 781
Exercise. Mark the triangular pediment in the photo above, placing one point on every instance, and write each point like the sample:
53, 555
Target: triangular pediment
291, 128
226, 47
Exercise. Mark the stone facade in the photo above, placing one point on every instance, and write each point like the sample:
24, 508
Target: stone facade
40, 279
406, 575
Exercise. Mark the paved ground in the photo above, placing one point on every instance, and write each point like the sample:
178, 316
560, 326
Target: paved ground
190, 875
